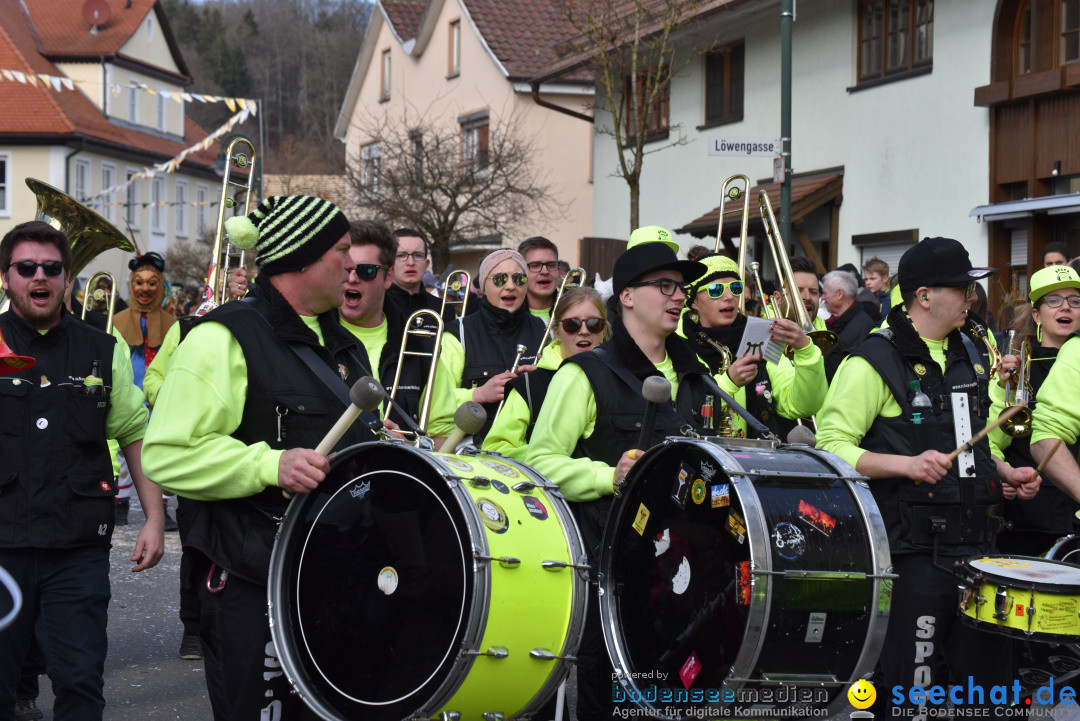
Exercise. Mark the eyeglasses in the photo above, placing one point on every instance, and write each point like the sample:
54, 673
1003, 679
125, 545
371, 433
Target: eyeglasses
368, 271
536, 265
28, 268
716, 290
968, 289
667, 286
1055, 301
499, 279
417, 257
573, 325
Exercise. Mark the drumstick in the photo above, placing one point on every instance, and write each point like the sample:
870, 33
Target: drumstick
1042, 464
1005, 415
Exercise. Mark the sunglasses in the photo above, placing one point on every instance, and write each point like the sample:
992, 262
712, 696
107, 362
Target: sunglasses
667, 285
573, 325
499, 279
716, 290
368, 271
28, 268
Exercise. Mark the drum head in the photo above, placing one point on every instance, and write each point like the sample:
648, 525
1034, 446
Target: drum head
369, 585
1025, 572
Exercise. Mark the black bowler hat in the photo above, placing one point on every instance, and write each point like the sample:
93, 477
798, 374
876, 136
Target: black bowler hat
935, 262
647, 258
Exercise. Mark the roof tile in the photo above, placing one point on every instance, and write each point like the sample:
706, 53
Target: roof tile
405, 16
522, 33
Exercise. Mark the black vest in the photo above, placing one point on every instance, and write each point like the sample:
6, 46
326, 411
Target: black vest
238, 534
968, 507
533, 387
414, 369
56, 478
851, 329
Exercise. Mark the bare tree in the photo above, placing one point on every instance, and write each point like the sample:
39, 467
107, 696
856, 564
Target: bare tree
632, 54
448, 183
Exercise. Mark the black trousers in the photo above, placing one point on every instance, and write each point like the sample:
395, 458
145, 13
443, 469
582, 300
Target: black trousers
927, 644
595, 673
189, 583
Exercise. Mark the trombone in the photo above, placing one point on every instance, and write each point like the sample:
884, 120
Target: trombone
731, 190
578, 275
217, 288
1019, 425
98, 294
417, 327
457, 283
824, 339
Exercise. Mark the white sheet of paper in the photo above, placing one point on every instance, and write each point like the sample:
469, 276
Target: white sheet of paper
756, 341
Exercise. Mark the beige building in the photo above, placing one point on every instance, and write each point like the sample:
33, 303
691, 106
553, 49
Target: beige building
464, 65
88, 105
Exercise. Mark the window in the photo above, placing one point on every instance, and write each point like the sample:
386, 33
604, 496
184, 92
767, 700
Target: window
1023, 40
82, 179
133, 103
416, 138
895, 36
132, 206
202, 214
181, 208
160, 112
455, 49
475, 133
1070, 31
656, 113
157, 203
385, 95
149, 28
724, 84
370, 156
108, 180
5, 185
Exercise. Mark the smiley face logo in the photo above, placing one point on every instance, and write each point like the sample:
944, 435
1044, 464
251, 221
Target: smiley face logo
862, 694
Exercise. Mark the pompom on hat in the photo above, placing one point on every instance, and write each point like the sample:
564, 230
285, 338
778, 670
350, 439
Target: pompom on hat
288, 232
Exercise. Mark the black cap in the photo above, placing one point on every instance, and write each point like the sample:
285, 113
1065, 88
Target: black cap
937, 261
647, 258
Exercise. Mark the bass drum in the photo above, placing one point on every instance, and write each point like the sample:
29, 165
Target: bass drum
739, 572
412, 584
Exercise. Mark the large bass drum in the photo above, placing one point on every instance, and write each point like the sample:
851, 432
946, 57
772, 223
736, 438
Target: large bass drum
412, 584
739, 572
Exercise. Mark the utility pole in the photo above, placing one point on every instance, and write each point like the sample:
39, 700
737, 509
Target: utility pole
787, 19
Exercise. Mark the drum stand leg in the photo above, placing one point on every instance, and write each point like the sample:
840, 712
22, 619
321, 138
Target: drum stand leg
560, 701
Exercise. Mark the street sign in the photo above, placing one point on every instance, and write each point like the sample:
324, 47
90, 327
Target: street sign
746, 147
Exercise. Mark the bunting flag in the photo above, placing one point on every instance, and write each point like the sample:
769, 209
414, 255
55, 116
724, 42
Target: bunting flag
58, 82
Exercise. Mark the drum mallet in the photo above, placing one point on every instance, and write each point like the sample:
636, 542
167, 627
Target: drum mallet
469, 418
1005, 415
1043, 462
365, 395
656, 390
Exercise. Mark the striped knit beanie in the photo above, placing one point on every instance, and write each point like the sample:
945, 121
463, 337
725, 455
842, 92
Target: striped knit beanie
289, 232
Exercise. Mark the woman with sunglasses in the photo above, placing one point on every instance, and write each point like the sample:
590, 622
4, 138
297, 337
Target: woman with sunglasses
580, 325
479, 350
774, 393
1054, 317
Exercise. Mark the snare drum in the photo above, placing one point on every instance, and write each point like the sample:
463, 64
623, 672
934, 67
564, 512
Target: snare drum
736, 571
412, 583
1020, 596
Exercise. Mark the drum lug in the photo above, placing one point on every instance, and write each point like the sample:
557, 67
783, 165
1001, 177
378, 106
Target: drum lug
479, 482
451, 716
544, 654
1001, 604
493, 651
559, 565
504, 561
523, 486
493, 716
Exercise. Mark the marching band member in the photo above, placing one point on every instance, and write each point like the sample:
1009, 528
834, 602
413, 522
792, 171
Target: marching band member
411, 261
889, 415
542, 263
806, 279
786, 389
1038, 521
249, 393
585, 436
847, 319
580, 325
478, 351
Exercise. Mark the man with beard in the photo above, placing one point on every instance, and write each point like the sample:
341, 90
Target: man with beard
542, 263
56, 516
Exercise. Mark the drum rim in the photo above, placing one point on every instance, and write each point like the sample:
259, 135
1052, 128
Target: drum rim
984, 576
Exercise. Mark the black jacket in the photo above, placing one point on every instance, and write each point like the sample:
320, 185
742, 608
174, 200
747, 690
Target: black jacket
851, 329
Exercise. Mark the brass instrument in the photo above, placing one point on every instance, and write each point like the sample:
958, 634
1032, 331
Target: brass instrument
217, 286
579, 279
727, 416
459, 281
1019, 425
416, 327
732, 191
824, 339
98, 294
513, 369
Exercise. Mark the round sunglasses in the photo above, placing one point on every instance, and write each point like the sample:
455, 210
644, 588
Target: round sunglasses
499, 279
573, 325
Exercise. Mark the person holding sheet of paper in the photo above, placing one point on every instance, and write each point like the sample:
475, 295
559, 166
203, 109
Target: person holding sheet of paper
774, 393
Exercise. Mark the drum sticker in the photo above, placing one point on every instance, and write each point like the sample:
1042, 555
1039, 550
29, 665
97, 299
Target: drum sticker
492, 514
815, 628
663, 542
707, 471
499, 486
698, 492
789, 541
641, 519
681, 580
457, 463
358, 492
682, 486
535, 508
1019, 609
817, 519
721, 495
500, 468
736, 527
690, 671
742, 571
388, 580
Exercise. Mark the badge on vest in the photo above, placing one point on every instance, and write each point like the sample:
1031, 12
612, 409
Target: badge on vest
343, 371
920, 369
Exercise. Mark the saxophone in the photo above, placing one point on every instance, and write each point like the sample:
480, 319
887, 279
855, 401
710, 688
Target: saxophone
724, 426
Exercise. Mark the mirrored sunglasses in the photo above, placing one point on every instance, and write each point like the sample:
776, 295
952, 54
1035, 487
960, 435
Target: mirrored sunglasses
368, 271
716, 290
499, 279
